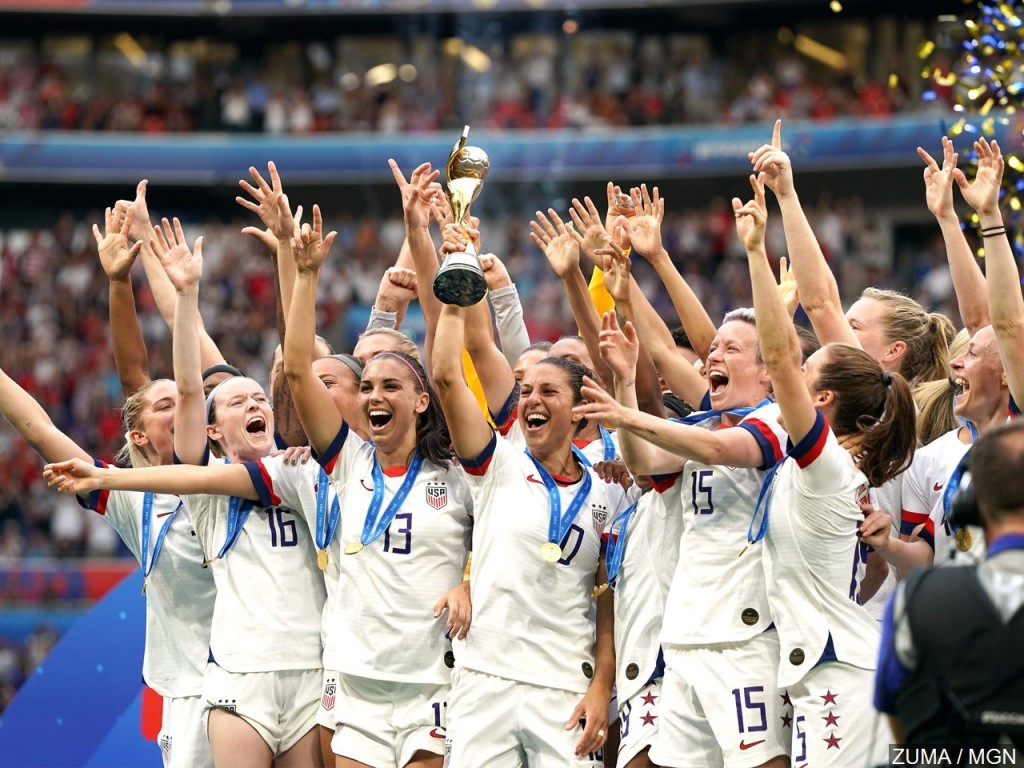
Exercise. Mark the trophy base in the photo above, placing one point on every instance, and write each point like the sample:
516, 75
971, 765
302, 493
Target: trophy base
460, 280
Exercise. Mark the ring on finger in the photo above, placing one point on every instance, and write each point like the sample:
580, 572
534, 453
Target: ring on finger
600, 733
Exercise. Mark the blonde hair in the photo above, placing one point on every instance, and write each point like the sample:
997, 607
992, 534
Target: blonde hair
935, 398
131, 455
403, 343
926, 334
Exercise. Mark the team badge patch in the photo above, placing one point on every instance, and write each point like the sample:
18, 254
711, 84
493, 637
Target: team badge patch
600, 512
330, 694
437, 495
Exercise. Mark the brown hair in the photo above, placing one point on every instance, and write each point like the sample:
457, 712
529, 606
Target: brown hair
934, 399
927, 335
135, 404
874, 402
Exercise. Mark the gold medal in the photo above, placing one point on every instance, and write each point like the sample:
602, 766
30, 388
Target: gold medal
322, 559
207, 563
551, 552
964, 539
350, 549
599, 590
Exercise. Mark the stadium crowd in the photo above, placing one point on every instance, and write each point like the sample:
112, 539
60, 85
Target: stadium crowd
617, 79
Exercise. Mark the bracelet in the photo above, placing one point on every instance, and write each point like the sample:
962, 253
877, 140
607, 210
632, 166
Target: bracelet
993, 232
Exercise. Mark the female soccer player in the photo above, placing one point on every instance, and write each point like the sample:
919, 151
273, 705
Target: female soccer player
158, 531
405, 528
812, 513
532, 682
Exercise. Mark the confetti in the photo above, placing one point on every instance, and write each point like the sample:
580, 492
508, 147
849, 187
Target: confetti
986, 87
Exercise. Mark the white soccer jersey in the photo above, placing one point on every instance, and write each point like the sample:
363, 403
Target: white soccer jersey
291, 485
717, 594
924, 488
531, 619
887, 498
810, 557
270, 593
386, 628
641, 588
179, 592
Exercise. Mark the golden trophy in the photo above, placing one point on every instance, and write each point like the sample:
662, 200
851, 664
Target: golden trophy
460, 280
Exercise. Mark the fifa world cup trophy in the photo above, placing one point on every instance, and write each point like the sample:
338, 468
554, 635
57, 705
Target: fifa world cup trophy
460, 280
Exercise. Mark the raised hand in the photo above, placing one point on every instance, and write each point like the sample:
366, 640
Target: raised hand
938, 182
116, 256
271, 203
983, 193
776, 165
397, 288
184, 268
620, 347
752, 217
556, 239
599, 405
589, 231
267, 237
72, 476
619, 204
456, 239
417, 193
617, 267
311, 247
494, 272
644, 230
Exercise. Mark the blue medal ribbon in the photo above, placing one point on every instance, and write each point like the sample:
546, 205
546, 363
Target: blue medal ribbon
764, 500
697, 418
147, 523
238, 513
617, 544
326, 524
558, 524
606, 441
374, 527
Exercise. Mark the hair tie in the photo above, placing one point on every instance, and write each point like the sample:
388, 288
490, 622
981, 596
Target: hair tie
405, 362
886, 378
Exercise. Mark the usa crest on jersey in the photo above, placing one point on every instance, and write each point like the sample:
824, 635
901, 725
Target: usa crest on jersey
437, 495
330, 694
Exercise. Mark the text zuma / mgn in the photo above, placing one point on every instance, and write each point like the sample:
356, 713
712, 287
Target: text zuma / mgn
952, 755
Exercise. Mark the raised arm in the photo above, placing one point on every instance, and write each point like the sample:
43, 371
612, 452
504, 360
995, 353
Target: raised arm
780, 346
117, 257
398, 286
183, 269
417, 195
819, 293
163, 292
467, 425
644, 232
33, 423
684, 380
317, 411
1005, 303
79, 477
508, 309
968, 280
561, 248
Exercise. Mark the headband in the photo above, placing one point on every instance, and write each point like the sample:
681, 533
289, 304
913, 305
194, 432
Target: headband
352, 362
405, 362
222, 368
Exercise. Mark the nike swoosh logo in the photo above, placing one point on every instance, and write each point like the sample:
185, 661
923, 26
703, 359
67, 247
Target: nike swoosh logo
744, 745
533, 479
937, 487
438, 733
165, 514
